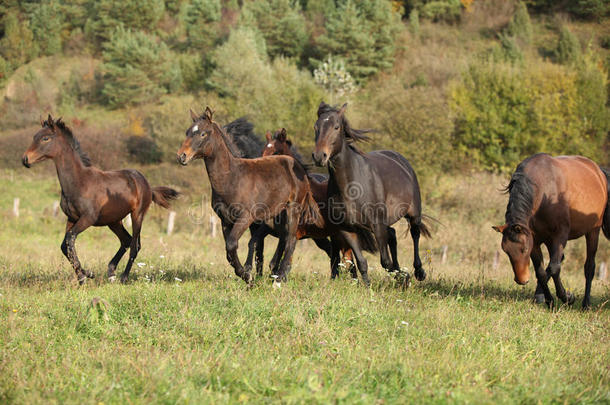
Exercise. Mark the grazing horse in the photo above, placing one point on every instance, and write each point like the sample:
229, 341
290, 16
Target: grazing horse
279, 144
370, 191
273, 188
92, 197
553, 200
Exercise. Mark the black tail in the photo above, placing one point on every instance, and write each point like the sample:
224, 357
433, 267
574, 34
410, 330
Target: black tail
606, 223
424, 229
367, 241
163, 195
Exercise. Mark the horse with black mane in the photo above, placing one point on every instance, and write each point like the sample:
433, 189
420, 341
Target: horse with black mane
279, 144
93, 197
274, 188
369, 191
553, 200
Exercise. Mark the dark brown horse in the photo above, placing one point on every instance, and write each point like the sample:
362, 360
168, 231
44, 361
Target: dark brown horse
273, 188
370, 191
553, 200
279, 144
92, 197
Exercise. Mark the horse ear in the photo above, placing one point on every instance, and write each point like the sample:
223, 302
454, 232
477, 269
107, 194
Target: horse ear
499, 228
268, 136
208, 113
50, 122
343, 108
282, 136
321, 107
194, 116
41, 121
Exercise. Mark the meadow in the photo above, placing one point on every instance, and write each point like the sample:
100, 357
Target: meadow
186, 330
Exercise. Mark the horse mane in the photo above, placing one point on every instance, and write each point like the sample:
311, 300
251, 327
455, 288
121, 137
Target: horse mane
228, 140
521, 198
352, 134
72, 141
244, 138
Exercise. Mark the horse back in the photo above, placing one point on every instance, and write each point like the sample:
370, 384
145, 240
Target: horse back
569, 185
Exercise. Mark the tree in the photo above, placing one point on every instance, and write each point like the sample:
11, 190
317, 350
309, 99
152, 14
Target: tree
136, 69
363, 33
46, 21
568, 47
280, 22
106, 15
17, 46
201, 22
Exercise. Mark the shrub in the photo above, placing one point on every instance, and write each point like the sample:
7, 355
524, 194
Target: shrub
504, 113
46, 21
447, 10
5, 71
568, 48
281, 24
520, 25
143, 149
136, 68
414, 22
17, 46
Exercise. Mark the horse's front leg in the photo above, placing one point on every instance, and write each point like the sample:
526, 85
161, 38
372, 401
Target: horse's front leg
554, 269
258, 232
352, 241
69, 250
231, 235
536, 256
381, 236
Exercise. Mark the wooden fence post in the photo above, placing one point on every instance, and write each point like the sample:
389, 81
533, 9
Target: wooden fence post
496, 260
55, 208
213, 224
16, 207
444, 254
170, 222
602, 272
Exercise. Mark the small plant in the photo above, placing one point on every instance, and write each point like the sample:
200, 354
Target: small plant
334, 78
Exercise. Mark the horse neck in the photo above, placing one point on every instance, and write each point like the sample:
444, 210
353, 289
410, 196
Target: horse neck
70, 169
220, 164
342, 169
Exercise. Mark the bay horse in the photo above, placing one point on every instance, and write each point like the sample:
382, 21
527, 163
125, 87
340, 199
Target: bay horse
553, 200
93, 197
279, 144
369, 191
274, 188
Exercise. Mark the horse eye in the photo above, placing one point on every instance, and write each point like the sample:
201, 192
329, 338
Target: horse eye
337, 126
203, 134
45, 138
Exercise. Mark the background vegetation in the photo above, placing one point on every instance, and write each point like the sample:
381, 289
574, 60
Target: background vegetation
465, 89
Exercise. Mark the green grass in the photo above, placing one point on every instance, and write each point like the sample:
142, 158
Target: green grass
467, 334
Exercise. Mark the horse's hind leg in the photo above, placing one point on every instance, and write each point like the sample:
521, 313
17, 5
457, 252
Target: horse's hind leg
592, 239
352, 240
381, 236
135, 246
393, 245
258, 232
69, 250
348, 259
125, 239
420, 274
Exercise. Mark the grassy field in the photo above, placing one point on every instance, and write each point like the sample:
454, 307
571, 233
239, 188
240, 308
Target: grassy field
186, 330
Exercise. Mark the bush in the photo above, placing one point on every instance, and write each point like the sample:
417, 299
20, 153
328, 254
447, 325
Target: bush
143, 149
568, 48
520, 25
17, 46
46, 21
136, 68
504, 113
5, 71
447, 11
362, 33
280, 22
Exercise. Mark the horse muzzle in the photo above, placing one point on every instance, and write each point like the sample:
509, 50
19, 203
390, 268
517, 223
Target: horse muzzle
320, 158
182, 159
25, 162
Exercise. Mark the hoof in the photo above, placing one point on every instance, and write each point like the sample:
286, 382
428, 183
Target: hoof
420, 274
539, 298
571, 298
276, 285
124, 279
82, 280
403, 279
112, 279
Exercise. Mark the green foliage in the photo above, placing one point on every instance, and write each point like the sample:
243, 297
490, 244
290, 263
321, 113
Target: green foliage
520, 25
143, 149
505, 113
273, 95
335, 79
280, 22
17, 46
5, 70
568, 47
106, 15
594, 9
443, 10
136, 69
363, 33
46, 21
201, 22
414, 22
